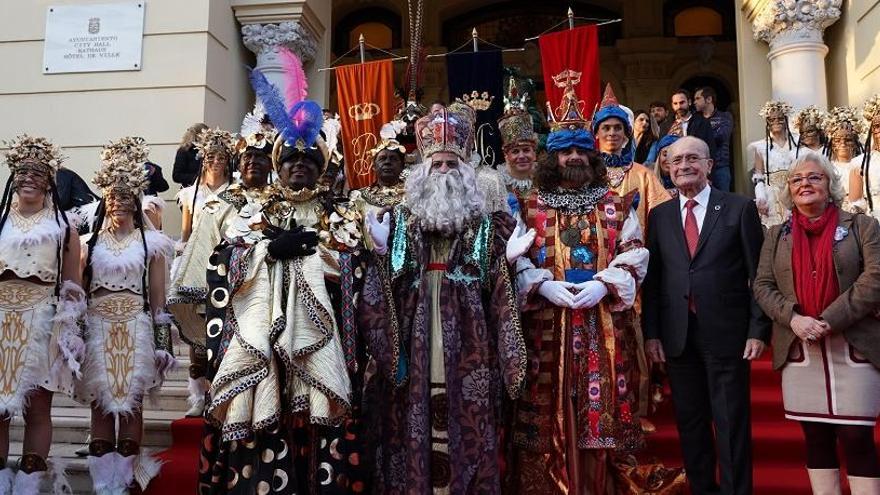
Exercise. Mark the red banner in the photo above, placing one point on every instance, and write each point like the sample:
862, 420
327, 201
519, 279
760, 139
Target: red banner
365, 94
571, 56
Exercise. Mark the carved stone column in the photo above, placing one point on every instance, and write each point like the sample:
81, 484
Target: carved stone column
793, 29
265, 39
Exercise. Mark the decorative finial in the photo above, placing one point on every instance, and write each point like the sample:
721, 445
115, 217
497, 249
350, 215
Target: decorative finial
361, 38
570, 13
474, 33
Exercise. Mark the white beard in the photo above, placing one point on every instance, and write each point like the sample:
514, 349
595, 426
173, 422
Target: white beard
444, 203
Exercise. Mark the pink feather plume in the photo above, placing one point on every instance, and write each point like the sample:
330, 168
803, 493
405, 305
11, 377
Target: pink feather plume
296, 86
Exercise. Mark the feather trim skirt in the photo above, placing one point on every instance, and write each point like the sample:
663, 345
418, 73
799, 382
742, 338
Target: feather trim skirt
830, 382
28, 345
120, 363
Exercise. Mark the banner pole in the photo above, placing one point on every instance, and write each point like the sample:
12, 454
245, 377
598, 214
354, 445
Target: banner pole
476, 40
362, 50
570, 18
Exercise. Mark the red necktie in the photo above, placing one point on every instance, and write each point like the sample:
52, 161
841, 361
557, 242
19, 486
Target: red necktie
691, 232
692, 235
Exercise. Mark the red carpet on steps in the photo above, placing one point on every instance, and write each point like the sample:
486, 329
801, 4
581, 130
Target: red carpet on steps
778, 445
181, 461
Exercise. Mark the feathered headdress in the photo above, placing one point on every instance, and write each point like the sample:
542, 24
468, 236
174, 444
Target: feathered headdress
843, 118
775, 107
388, 135
871, 110
215, 140
252, 131
810, 116
122, 167
296, 86
302, 134
33, 153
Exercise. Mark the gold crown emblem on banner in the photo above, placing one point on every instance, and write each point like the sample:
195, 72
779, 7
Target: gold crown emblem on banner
363, 111
478, 101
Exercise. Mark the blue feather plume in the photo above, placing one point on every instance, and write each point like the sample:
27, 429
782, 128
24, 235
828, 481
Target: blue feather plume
306, 118
273, 103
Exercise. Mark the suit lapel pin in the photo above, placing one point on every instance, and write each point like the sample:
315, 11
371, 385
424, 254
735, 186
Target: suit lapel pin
717, 207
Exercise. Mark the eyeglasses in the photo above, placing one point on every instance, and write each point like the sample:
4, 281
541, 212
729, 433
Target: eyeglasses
813, 179
689, 159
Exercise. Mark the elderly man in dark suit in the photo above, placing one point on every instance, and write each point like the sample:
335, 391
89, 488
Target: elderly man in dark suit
701, 320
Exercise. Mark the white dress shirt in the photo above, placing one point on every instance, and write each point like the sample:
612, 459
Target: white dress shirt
702, 200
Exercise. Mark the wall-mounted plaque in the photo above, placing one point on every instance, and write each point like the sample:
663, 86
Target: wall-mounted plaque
94, 38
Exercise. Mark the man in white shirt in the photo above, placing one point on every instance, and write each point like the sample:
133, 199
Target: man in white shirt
701, 320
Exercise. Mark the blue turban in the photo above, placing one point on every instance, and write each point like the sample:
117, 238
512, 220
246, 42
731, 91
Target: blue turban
567, 138
665, 141
608, 112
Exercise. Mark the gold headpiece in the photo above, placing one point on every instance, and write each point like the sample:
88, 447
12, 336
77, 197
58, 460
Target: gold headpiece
388, 135
35, 154
569, 114
215, 140
516, 124
451, 130
871, 110
774, 107
810, 116
122, 170
843, 118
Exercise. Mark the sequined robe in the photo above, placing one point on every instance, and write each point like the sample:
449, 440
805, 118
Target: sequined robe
439, 317
578, 395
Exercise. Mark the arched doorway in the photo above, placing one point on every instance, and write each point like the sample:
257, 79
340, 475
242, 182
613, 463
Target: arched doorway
725, 97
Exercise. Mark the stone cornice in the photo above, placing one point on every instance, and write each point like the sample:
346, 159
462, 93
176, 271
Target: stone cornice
779, 22
268, 24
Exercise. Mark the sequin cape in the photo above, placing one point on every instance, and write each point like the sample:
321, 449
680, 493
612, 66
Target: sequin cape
577, 357
484, 356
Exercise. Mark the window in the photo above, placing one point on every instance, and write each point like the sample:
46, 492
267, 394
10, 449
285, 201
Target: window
381, 28
376, 33
698, 21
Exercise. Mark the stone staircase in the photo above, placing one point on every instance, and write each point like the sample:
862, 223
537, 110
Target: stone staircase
70, 425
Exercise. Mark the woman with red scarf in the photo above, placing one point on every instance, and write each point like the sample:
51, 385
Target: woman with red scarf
819, 279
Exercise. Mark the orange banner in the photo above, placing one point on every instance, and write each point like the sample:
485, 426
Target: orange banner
366, 101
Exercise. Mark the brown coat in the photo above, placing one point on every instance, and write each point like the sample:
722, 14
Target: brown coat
857, 261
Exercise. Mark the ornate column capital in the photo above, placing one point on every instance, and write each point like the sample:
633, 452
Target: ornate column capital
262, 38
780, 22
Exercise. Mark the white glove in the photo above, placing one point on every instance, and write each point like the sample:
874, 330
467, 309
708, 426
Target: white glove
761, 193
519, 243
379, 231
590, 294
557, 293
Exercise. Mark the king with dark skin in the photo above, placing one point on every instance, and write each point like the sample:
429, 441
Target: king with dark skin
388, 164
254, 167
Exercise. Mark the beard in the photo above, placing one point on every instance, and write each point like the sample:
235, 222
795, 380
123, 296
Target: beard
444, 203
576, 171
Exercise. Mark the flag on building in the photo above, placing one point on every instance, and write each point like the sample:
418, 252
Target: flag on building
476, 78
571, 57
365, 95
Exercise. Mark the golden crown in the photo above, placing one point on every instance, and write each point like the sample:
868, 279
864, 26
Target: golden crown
775, 107
871, 110
363, 111
478, 101
215, 139
122, 168
841, 118
33, 153
809, 116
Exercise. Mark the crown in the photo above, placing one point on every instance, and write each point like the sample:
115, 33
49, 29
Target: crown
514, 100
451, 130
569, 113
516, 127
122, 169
843, 118
775, 107
33, 153
212, 140
478, 101
363, 111
809, 116
871, 110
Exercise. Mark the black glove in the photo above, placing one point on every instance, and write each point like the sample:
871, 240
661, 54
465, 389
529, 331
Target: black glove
289, 244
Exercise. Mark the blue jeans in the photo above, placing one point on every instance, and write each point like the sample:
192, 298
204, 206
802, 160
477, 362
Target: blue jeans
720, 178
